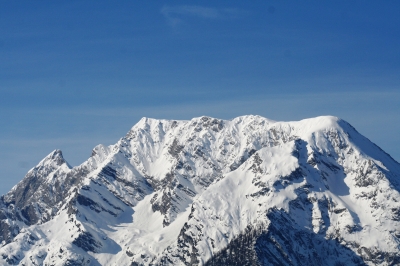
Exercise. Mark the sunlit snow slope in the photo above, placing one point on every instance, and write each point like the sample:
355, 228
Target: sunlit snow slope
249, 191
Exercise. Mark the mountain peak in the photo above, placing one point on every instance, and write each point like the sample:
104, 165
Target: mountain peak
324, 121
55, 158
146, 123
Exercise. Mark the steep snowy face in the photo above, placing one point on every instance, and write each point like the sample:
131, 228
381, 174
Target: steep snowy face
182, 158
249, 191
287, 201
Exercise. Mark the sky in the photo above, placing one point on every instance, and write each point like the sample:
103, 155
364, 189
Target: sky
74, 74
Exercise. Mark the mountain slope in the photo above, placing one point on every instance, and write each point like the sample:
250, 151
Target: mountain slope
207, 191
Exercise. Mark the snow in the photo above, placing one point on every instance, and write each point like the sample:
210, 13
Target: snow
213, 179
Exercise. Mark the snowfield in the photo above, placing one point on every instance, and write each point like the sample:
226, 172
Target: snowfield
248, 191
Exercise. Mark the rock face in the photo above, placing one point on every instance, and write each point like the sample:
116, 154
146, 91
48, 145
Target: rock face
249, 191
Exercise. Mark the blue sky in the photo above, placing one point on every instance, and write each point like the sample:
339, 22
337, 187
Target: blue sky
74, 74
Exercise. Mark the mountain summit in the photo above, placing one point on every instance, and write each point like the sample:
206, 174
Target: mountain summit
248, 191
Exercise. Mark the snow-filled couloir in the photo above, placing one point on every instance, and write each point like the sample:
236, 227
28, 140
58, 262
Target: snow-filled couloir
246, 191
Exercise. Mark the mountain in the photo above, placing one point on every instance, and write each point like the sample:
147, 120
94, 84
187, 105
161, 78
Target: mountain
248, 191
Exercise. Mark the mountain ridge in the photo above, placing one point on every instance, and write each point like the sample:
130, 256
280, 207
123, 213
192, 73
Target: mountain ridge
181, 192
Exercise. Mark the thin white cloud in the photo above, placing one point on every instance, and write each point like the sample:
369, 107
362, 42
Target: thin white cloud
198, 11
176, 14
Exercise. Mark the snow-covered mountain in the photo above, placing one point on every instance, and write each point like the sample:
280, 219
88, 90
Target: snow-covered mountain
249, 191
